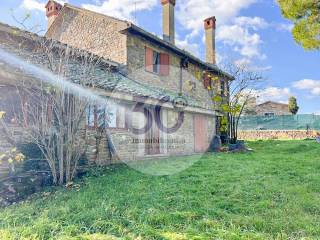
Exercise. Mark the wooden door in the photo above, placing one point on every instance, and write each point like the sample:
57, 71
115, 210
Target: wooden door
153, 137
200, 133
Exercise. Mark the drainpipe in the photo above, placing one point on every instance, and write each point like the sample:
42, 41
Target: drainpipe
180, 82
183, 64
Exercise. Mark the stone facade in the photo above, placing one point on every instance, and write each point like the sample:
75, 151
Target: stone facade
78, 29
101, 35
92, 32
190, 76
131, 146
272, 108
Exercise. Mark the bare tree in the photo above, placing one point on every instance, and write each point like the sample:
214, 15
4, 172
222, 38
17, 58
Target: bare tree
54, 115
239, 91
57, 121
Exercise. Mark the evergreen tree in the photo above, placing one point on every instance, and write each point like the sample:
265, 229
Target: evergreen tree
305, 15
293, 105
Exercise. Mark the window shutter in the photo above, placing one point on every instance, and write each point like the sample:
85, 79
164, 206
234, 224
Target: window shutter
149, 59
164, 64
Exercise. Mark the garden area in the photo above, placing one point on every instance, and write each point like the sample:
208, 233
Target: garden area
272, 192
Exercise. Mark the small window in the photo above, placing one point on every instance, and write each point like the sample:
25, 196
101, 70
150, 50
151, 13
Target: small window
90, 116
111, 116
156, 62
222, 87
121, 117
269, 114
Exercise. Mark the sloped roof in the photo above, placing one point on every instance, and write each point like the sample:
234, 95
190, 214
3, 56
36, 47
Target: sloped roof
268, 102
105, 75
134, 29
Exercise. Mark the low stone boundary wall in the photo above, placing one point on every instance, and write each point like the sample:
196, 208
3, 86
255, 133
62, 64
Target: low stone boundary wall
277, 134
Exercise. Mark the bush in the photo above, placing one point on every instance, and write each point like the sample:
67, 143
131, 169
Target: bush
30, 150
35, 160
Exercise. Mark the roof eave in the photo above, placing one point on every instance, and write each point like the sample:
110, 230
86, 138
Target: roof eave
133, 29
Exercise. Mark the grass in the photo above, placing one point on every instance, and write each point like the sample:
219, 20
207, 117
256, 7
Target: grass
271, 193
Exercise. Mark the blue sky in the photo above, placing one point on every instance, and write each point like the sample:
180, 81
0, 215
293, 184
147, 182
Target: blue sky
250, 32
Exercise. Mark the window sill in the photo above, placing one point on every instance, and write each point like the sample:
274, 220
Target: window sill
156, 74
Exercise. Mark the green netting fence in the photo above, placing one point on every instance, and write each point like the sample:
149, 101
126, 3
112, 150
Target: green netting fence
297, 122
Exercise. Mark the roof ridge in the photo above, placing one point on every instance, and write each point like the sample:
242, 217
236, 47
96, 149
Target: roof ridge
272, 102
29, 35
86, 11
94, 13
151, 35
177, 49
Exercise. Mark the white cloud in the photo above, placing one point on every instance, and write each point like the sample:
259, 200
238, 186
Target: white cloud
242, 62
273, 94
313, 86
37, 5
286, 27
238, 32
191, 13
239, 35
186, 45
246, 62
123, 9
251, 22
33, 5
260, 68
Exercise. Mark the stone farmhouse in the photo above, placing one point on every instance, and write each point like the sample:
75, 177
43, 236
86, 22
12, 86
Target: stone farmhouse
174, 87
270, 109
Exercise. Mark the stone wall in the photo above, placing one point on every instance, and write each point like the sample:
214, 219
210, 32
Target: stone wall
277, 134
131, 146
97, 151
182, 141
191, 75
101, 35
92, 32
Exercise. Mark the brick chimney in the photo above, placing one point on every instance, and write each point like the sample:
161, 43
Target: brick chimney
210, 32
168, 20
52, 10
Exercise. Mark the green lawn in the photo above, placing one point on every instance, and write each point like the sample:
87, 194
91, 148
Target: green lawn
271, 193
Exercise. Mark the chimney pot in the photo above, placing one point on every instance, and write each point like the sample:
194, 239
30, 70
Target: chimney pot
164, 2
210, 23
52, 10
